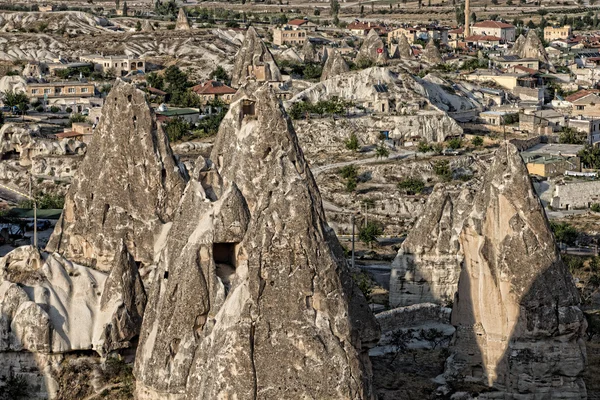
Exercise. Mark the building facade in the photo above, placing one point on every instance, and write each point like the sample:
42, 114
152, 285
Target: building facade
289, 36
120, 65
60, 90
506, 32
551, 33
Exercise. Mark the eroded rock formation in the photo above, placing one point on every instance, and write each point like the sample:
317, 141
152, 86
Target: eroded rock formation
531, 47
373, 50
126, 189
404, 48
182, 24
309, 53
431, 54
519, 328
335, 65
251, 297
254, 62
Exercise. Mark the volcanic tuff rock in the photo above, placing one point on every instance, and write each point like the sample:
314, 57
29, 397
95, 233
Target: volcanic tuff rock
182, 24
530, 47
404, 47
147, 26
127, 187
373, 49
309, 53
519, 327
431, 54
252, 297
335, 65
254, 61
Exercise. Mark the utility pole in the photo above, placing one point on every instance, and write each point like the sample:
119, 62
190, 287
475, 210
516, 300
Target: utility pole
353, 220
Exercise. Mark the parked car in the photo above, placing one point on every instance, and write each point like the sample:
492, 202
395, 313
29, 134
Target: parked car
42, 225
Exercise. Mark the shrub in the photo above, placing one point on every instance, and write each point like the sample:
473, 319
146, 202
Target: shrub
176, 129
455, 143
382, 151
411, 185
368, 234
54, 109
39, 109
477, 141
69, 110
595, 207
352, 142
564, 233
77, 118
443, 170
424, 147
15, 388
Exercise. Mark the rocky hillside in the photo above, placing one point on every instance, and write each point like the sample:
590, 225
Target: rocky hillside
72, 22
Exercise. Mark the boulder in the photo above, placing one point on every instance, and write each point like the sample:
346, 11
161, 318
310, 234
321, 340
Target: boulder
252, 297
182, 24
373, 49
254, 62
335, 65
519, 327
431, 54
126, 189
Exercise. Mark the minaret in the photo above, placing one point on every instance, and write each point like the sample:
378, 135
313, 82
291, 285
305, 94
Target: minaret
467, 30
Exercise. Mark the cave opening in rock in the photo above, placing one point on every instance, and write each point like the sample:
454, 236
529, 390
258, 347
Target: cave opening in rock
224, 258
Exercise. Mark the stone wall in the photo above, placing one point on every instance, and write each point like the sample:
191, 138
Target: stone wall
576, 195
414, 315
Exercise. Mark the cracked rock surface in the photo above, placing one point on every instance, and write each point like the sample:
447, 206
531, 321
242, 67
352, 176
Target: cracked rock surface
252, 298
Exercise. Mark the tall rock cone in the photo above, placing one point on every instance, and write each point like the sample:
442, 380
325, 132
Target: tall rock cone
519, 328
373, 49
404, 48
182, 24
126, 189
431, 54
531, 47
147, 26
335, 65
254, 62
309, 53
252, 298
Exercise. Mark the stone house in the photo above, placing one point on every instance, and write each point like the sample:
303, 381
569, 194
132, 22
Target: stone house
120, 65
212, 90
549, 165
585, 102
506, 32
289, 36
576, 195
551, 33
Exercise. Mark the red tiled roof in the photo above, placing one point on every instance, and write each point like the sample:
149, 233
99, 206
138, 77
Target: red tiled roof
581, 94
297, 22
483, 38
213, 87
157, 91
492, 24
457, 30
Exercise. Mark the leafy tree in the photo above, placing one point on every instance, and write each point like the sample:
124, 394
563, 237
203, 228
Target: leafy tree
220, 74
176, 79
442, 169
455, 143
564, 233
368, 234
350, 174
77, 118
312, 71
411, 185
16, 99
316, 13
424, 147
595, 207
400, 340
364, 284
382, 151
477, 141
138, 26
352, 142
176, 129
570, 136
154, 80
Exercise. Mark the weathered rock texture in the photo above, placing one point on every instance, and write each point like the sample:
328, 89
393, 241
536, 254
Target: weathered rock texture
254, 62
531, 47
182, 24
252, 298
309, 53
428, 264
431, 53
51, 306
147, 26
127, 187
404, 48
373, 49
335, 65
519, 328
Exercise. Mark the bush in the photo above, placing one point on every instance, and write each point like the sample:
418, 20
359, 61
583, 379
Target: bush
455, 143
443, 170
77, 118
595, 207
176, 129
14, 388
424, 147
54, 109
45, 201
382, 151
564, 233
477, 141
69, 110
352, 142
350, 174
39, 109
411, 185
369, 233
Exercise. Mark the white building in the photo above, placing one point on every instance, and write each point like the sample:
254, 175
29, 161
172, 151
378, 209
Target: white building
121, 65
506, 32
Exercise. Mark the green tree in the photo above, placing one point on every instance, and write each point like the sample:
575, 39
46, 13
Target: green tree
382, 151
442, 169
564, 233
138, 26
455, 143
368, 234
176, 79
590, 156
424, 147
154, 80
350, 174
570, 136
176, 129
16, 99
477, 141
411, 185
220, 74
352, 142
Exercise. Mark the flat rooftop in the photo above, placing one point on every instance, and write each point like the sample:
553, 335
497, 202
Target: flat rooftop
556, 149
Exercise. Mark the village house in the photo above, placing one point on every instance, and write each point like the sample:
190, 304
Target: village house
81, 131
576, 195
60, 89
190, 115
456, 34
497, 118
506, 32
303, 24
549, 165
438, 33
483, 41
588, 127
551, 33
508, 61
585, 102
119, 65
358, 28
213, 90
289, 36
